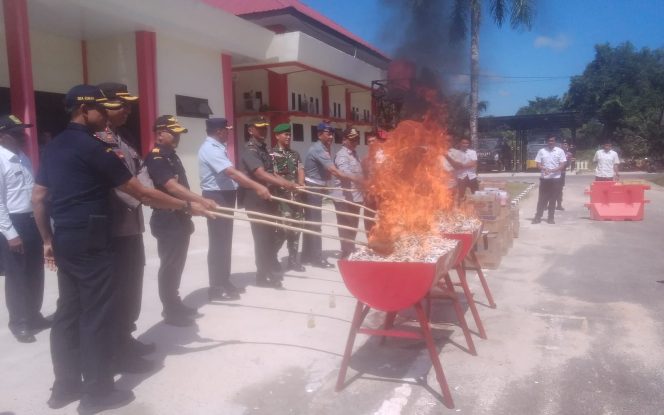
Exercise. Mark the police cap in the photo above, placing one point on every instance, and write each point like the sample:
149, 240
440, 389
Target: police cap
217, 123
9, 123
89, 95
116, 90
170, 124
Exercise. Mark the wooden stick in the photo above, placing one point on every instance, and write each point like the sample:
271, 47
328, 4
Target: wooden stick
303, 222
322, 187
279, 225
338, 199
292, 202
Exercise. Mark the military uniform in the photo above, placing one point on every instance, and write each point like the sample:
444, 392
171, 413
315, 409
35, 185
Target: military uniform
266, 238
79, 173
286, 164
172, 229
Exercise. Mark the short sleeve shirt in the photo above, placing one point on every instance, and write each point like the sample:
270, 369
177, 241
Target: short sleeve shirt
212, 162
551, 159
316, 163
347, 162
465, 157
254, 157
79, 172
163, 164
605, 160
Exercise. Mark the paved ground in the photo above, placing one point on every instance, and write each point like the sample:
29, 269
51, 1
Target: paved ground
578, 330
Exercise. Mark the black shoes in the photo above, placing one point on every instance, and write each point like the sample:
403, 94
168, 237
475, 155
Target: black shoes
551, 221
61, 399
295, 266
187, 311
23, 335
221, 294
40, 323
536, 221
180, 315
321, 264
560, 207
269, 281
93, 404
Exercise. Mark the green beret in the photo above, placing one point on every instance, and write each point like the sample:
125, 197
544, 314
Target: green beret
282, 128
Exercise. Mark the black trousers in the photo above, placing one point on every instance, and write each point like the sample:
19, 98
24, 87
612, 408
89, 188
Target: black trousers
347, 248
82, 332
128, 267
267, 239
172, 231
466, 183
312, 245
548, 194
220, 236
24, 273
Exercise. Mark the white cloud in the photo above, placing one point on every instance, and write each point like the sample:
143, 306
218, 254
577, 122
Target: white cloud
559, 42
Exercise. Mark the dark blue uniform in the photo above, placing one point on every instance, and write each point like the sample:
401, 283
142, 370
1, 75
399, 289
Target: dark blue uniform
171, 228
79, 172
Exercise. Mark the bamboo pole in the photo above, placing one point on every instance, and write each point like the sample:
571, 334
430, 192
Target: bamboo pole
292, 202
338, 199
322, 188
304, 222
279, 225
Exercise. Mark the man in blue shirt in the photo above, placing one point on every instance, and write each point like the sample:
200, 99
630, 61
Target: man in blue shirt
318, 169
76, 176
219, 182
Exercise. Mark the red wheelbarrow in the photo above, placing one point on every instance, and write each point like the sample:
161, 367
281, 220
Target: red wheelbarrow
392, 287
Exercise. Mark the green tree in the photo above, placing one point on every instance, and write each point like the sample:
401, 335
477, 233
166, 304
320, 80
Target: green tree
541, 105
622, 92
519, 13
458, 113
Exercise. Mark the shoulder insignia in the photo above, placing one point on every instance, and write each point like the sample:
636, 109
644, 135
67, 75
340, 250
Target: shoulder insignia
155, 150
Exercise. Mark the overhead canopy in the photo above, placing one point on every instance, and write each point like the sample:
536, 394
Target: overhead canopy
530, 122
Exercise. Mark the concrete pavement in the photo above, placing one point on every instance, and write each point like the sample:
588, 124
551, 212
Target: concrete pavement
578, 330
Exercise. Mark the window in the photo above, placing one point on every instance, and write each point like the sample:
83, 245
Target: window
192, 107
317, 107
314, 133
292, 98
338, 136
298, 132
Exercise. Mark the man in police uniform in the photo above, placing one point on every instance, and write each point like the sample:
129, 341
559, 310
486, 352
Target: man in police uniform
127, 229
318, 169
219, 180
287, 164
172, 229
257, 164
76, 176
20, 243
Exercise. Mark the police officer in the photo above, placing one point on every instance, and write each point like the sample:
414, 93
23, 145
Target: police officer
287, 164
219, 181
172, 228
318, 169
257, 164
76, 176
20, 243
127, 229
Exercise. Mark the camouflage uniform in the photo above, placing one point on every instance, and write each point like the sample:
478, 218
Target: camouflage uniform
286, 163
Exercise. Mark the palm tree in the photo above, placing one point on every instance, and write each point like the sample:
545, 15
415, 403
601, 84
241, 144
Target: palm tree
520, 15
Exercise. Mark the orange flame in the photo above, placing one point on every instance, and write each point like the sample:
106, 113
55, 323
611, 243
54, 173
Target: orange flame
408, 180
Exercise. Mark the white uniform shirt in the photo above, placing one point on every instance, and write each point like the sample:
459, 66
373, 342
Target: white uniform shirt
464, 157
456, 155
551, 159
16, 183
605, 161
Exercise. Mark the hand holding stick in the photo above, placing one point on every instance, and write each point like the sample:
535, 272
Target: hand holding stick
338, 199
292, 202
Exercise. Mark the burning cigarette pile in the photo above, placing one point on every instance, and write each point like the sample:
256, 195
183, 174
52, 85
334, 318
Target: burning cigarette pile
409, 248
458, 222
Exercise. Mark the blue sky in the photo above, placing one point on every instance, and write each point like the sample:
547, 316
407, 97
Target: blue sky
559, 45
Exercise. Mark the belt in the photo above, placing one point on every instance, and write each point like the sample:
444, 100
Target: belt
22, 215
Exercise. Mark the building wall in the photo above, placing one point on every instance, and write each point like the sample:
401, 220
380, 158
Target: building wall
307, 85
186, 69
4, 68
56, 62
361, 101
113, 59
338, 95
250, 82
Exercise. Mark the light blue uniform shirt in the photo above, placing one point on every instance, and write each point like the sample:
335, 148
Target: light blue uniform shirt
212, 161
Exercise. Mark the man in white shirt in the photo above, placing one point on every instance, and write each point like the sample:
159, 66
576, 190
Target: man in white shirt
607, 163
20, 243
466, 171
551, 161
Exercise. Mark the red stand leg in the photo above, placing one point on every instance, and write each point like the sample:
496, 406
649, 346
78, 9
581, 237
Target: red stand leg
478, 269
460, 317
471, 302
389, 323
361, 312
433, 353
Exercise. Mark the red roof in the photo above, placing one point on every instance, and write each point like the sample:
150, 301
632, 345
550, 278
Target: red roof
242, 7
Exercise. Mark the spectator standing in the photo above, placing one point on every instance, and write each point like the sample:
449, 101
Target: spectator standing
607, 163
550, 160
